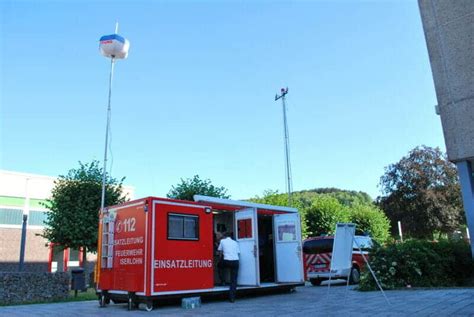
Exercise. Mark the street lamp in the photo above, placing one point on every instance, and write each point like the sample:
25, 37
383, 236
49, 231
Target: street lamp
26, 212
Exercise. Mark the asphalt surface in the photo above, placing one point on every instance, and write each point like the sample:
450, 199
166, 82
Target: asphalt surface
305, 301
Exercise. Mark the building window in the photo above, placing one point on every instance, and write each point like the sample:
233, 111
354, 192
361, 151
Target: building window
183, 227
10, 216
37, 217
73, 255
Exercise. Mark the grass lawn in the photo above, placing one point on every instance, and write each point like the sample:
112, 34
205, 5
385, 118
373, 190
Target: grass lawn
88, 295
81, 296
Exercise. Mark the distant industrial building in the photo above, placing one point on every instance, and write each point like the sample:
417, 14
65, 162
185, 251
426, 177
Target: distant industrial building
22, 193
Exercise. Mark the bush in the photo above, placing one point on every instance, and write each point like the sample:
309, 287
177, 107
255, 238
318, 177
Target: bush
271, 197
323, 215
370, 219
417, 263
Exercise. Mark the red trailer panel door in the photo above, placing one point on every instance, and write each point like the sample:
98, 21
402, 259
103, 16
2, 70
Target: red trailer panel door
129, 248
183, 247
123, 255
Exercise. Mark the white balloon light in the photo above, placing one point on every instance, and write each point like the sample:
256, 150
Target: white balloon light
114, 46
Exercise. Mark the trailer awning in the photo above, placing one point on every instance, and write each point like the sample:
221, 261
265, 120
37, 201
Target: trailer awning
239, 204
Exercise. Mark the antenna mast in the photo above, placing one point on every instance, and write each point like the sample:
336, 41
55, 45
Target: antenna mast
289, 184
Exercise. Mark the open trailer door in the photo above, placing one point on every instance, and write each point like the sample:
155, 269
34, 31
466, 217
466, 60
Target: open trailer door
247, 237
288, 259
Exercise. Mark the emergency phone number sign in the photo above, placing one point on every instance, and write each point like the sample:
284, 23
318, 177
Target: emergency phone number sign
129, 246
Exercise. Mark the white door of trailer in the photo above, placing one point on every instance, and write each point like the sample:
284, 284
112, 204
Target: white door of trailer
246, 235
288, 251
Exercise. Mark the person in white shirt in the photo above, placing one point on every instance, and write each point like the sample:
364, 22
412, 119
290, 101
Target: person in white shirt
230, 250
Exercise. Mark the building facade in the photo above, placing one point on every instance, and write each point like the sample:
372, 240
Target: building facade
26, 194
449, 33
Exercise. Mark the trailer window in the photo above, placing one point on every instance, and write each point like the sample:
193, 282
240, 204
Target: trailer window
287, 231
183, 227
244, 228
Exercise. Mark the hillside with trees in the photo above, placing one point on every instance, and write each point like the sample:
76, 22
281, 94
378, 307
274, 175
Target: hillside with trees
322, 208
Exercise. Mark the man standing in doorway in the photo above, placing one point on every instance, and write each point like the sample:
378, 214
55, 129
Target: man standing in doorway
230, 250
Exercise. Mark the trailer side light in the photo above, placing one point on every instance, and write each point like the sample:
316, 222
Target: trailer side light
207, 210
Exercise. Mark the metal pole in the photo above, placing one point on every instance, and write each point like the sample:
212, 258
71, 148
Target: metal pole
287, 143
370, 269
400, 233
102, 202
22, 243
287, 151
466, 179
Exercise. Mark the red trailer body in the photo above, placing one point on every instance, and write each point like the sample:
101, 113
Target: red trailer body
156, 247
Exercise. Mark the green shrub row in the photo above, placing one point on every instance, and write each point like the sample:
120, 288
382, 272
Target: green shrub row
419, 263
325, 212
322, 209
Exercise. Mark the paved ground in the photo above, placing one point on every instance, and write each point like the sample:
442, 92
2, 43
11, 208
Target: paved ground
306, 301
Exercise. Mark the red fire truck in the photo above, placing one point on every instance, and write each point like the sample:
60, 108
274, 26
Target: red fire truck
153, 248
317, 253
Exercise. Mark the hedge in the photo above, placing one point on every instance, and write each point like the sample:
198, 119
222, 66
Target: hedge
419, 263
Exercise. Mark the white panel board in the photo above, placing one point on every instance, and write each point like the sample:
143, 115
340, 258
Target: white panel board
342, 249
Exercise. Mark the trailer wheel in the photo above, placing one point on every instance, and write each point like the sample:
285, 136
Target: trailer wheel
149, 306
130, 305
354, 278
102, 300
315, 281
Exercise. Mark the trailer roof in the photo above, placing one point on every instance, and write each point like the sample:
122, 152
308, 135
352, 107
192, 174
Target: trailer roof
226, 203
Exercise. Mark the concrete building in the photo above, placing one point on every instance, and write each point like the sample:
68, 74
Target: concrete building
22, 193
449, 33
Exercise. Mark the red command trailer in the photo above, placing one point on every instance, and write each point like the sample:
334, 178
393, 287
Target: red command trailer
153, 248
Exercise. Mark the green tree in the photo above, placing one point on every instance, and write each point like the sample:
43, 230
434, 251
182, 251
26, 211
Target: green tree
74, 206
345, 197
422, 191
371, 220
273, 197
323, 215
321, 209
196, 186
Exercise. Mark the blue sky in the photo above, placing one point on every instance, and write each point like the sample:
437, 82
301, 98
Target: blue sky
196, 95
